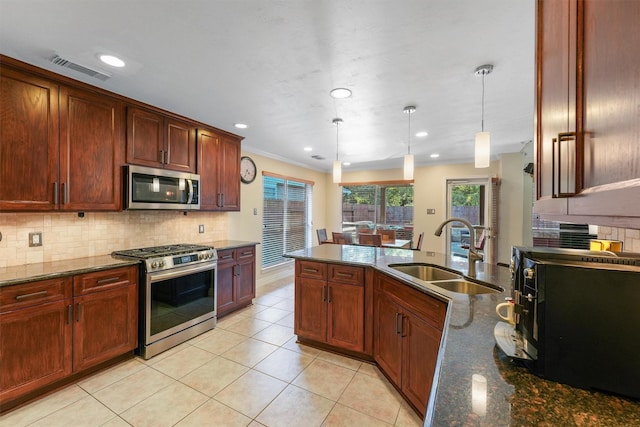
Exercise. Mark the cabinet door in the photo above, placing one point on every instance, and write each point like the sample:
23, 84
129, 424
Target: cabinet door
311, 309
229, 175
180, 146
421, 343
145, 138
208, 169
387, 342
105, 325
246, 275
556, 92
345, 323
92, 151
35, 348
225, 297
28, 142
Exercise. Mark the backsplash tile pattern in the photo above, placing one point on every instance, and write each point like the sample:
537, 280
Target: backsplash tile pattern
630, 238
67, 236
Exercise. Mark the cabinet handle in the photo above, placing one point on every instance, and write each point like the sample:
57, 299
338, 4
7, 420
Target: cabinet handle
225, 256
31, 295
344, 274
559, 175
398, 324
309, 270
162, 157
324, 297
69, 314
219, 201
328, 293
79, 312
222, 200
402, 332
168, 156
56, 195
65, 193
108, 280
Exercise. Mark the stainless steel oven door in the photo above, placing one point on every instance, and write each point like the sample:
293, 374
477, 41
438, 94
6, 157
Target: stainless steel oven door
178, 299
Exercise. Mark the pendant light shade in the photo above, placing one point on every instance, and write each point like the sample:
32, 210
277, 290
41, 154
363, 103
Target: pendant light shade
483, 149
337, 167
483, 139
408, 158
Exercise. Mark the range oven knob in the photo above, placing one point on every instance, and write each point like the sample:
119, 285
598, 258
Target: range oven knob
160, 263
200, 257
154, 264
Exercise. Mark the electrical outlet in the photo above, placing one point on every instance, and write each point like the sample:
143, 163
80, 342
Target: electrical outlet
201, 228
431, 211
255, 211
35, 239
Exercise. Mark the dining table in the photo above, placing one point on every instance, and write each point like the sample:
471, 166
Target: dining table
397, 243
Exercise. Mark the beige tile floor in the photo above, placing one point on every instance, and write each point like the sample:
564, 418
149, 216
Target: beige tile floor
249, 371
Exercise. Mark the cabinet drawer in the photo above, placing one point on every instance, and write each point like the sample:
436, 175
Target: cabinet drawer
246, 252
103, 280
311, 270
431, 309
28, 294
226, 256
346, 274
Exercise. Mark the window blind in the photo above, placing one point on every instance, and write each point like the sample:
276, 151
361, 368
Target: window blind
287, 208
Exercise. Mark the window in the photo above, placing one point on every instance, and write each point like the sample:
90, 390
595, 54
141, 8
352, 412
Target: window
370, 206
286, 219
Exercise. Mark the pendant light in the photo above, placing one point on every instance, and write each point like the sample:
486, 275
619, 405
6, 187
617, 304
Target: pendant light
483, 139
337, 167
408, 158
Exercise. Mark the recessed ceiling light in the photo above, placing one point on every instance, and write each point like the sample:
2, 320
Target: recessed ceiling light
112, 60
434, 155
308, 149
346, 163
422, 134
340, 93
240, 125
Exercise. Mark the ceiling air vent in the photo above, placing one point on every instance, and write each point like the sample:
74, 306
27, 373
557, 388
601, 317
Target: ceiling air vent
317, 157
80, 68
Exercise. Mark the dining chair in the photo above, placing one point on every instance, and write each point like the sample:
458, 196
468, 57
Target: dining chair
342, 238
370, 239
479, 244
419, 244
322, 236
387, 234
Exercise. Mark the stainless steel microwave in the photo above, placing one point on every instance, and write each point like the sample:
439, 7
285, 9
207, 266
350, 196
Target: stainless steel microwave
160, 189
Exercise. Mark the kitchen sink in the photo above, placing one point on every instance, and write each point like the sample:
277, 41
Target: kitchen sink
450, 281
465, 287
425, 272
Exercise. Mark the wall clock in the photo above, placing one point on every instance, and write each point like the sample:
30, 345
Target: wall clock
248, 170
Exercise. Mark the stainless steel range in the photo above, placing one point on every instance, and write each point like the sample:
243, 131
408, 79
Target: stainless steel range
177, 294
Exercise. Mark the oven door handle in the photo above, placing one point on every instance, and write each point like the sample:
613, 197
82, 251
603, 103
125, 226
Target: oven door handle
181, 271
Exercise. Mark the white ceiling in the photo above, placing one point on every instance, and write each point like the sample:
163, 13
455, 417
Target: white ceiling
271, 64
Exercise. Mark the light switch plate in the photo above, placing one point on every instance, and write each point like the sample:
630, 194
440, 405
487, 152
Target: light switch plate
201, 228
35, 239
431, 211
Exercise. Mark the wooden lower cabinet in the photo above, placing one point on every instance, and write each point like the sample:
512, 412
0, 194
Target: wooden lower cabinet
330, 304
236, 279
54, 328
35, 336
407, 332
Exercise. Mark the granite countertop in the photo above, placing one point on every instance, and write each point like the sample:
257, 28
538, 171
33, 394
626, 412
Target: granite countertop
514, 396
49, 270
231, 244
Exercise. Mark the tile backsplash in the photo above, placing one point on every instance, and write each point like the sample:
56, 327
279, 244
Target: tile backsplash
630, 238
68, 236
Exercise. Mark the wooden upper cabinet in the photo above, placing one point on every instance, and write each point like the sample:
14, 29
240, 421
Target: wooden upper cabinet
159, 141
219, 170
92, 151
587, 127
28, 142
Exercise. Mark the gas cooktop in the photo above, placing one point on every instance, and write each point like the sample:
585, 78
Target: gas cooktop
160, 251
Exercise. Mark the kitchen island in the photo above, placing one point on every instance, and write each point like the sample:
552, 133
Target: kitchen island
475, 383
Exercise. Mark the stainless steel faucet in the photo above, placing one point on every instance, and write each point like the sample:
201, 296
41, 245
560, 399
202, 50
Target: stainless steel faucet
473, 255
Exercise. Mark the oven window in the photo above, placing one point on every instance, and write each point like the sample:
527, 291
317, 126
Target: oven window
180, 300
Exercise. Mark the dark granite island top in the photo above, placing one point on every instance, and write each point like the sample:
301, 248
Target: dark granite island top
476, 384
